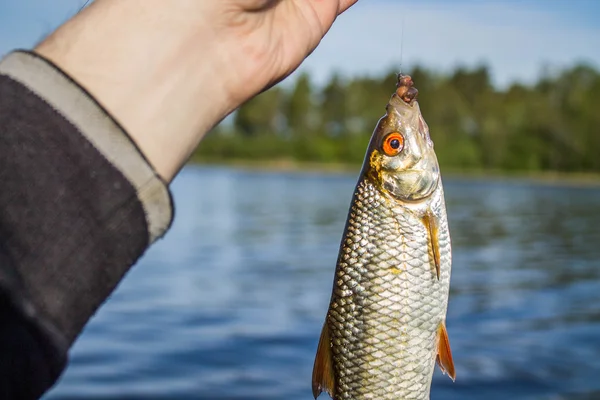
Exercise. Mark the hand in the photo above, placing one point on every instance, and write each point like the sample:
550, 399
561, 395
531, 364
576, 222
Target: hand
266, 40
169, 71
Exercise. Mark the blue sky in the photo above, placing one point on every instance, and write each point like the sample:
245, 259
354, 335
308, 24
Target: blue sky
516, 39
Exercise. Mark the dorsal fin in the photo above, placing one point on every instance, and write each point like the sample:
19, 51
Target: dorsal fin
444, 353
323, 378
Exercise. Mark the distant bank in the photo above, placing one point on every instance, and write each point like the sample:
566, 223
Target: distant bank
289, 165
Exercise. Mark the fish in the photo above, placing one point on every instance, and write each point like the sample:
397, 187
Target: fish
385, 328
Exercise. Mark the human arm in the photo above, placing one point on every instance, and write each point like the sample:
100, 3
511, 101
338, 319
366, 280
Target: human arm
170, 71
91, 134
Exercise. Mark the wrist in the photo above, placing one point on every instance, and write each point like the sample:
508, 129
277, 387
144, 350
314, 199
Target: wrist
154, 67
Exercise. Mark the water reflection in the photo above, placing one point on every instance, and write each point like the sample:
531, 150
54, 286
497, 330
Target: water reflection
230, 304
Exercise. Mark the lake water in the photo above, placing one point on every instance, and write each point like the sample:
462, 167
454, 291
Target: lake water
229, 305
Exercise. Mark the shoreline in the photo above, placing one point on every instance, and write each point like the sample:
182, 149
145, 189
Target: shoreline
586, 179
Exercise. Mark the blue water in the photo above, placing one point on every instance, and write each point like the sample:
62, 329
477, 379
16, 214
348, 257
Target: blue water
229, 305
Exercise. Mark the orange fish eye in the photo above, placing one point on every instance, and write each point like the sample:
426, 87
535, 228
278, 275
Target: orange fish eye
393, 144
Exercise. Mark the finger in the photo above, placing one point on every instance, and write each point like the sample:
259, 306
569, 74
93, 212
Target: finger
345, 4
328, 10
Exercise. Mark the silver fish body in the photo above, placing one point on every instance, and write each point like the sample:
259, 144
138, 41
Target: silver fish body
385, 325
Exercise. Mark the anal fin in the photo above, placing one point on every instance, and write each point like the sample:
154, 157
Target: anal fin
323, 378
430, 221
444, 354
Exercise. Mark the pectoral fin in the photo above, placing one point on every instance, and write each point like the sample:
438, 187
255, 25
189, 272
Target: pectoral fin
444, 354
430, 221
323, 376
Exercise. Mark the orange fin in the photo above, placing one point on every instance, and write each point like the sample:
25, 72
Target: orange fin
429, 219
323, 376
444, 354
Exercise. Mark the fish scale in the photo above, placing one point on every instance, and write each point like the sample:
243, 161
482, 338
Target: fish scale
386, 320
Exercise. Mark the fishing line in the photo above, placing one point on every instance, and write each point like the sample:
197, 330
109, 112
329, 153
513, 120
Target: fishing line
402, 43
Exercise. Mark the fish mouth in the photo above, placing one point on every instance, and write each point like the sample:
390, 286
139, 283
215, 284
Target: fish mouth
405, 89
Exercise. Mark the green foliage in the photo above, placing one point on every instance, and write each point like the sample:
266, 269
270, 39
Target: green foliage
551, 125
300, 108
260, 115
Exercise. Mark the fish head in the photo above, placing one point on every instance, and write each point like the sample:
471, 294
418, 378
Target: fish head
400, 158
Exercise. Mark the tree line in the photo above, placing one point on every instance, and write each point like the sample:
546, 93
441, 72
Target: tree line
552, 124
